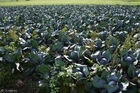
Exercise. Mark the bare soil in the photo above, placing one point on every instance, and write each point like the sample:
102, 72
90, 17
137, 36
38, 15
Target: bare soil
20, 85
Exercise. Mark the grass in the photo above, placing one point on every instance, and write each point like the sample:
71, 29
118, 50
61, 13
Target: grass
63, 2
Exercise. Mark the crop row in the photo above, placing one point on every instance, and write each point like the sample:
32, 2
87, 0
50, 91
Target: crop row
97, 44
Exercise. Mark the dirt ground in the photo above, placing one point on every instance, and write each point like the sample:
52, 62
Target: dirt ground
21, 85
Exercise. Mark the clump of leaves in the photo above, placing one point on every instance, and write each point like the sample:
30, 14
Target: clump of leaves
129, 42
52, 75
12, 35
93, 35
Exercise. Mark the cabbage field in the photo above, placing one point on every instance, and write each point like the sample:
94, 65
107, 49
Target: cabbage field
72, 48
